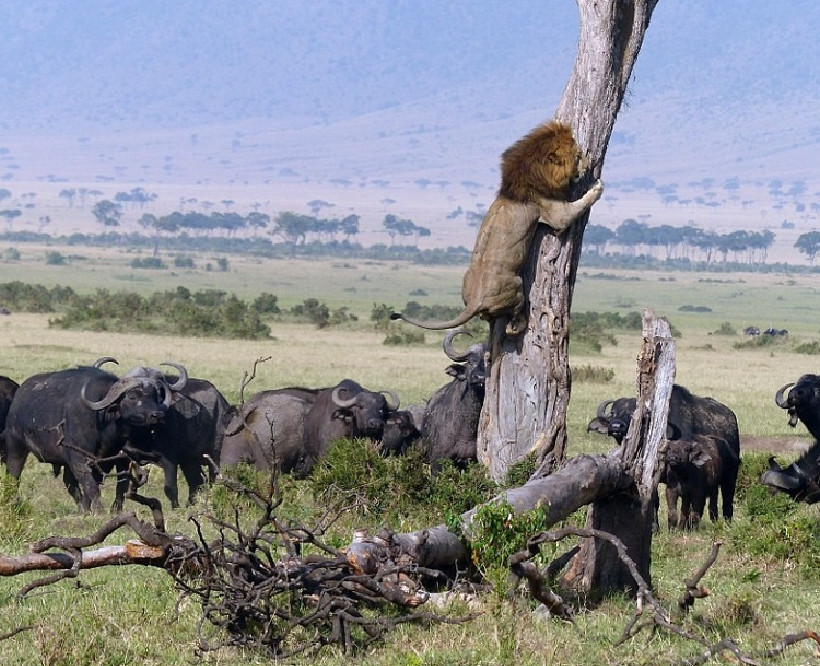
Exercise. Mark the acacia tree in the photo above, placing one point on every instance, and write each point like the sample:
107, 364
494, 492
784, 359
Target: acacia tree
528, 388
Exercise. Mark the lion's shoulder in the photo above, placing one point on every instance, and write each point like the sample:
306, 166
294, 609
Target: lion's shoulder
542, 163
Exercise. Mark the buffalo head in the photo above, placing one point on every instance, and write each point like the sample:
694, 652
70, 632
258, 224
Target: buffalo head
366, 411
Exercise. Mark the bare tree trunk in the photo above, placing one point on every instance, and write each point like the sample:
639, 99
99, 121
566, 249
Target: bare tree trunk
528, 390
631, 515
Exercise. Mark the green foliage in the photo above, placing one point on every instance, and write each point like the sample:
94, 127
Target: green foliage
776, 528
10, 254
810, 348
499, 532
54, 258
153, 263
694, 308
593, 373
35, 298
726, 328
15, 512
184, 261
401, 335
207, 313
267, 303
519, 472
397, 486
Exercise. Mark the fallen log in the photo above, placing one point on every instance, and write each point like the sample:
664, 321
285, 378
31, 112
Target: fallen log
134, 552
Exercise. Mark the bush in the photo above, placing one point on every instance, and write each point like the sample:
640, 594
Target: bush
54, 258
183, 261
593, 373
153, 263
810, 348
726, 329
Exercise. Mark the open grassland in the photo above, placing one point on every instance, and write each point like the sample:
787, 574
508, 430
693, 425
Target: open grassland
132, 615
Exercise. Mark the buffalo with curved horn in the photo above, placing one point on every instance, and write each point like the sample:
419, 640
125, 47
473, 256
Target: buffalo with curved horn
801, 479
75, 418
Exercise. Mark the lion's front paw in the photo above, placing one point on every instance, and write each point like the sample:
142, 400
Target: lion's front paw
597, 189
515, 326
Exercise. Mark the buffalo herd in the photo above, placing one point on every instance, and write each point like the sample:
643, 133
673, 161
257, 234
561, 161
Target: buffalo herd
87, 423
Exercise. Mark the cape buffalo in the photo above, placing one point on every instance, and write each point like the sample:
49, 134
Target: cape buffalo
801, 479
400, 432
8, 387
689, 415
693, 470
346, 411
193, 429
73, 418
268, 431
294, 427
450, 423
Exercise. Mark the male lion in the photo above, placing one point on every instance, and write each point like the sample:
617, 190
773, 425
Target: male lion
536, 174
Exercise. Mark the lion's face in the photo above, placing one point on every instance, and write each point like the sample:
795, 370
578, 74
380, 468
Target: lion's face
543, 163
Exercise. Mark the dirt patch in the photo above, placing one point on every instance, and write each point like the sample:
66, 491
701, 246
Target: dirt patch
776, 445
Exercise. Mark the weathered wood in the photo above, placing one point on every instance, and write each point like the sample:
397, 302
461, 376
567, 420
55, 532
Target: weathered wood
528, 387
630, 516
11, 565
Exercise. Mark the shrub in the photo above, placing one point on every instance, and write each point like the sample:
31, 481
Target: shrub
593, 373
152, 263
726, 329
810, 348
184, 261
54, 258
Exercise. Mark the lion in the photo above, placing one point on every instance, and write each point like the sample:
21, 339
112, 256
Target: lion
536, 174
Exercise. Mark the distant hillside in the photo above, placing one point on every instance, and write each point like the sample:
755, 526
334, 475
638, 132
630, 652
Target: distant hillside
400, 107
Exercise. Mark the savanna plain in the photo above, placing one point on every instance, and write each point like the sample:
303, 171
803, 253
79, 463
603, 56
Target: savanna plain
764, 585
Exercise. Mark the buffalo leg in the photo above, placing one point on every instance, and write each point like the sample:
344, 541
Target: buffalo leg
72, 485
194, 477
672, 506
169, 469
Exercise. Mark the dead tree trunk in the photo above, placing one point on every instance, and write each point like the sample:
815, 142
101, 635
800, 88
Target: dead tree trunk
631, 515
528, 388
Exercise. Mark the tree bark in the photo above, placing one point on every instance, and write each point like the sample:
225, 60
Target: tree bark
529, 383
632, 515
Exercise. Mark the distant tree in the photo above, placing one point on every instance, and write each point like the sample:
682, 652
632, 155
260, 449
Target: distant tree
631, 234
809, 244
293, 227
256, 221
227, 203
9, 215
597, 236
43, 222
4, 194
68, 195
350, 225
136, 196
397, 226
317, 205
108, 213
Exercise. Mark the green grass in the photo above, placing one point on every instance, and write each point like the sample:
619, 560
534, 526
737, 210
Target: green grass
760, 590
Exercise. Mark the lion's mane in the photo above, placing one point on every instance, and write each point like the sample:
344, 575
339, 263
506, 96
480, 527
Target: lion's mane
541, 164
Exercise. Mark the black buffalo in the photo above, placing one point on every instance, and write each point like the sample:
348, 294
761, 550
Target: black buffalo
801, 479
294, 427
401, 431
8, 387
693, 471
74, 418
450, 421
191, 435
268, 431
689, 415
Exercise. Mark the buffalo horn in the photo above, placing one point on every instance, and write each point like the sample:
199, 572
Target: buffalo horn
448, 346
339, 401
602, 408
100, 362
778, 397
115, 391
179, 384
393, 401
778, 479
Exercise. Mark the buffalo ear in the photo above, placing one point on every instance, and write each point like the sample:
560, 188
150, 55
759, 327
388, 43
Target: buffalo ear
701, 457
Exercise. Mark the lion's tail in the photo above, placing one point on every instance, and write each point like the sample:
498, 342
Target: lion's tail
462, 318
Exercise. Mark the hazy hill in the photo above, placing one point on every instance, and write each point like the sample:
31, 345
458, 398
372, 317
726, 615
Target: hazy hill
400, 106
